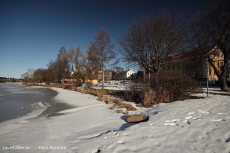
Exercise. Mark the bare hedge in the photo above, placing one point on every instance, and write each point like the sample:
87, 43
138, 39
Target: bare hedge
162, 89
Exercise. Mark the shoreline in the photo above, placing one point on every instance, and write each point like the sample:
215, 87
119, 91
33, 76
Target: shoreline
53, 107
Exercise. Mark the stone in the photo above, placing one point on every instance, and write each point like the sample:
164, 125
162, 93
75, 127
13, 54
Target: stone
119, 111
137, 118
126, 113
139, 105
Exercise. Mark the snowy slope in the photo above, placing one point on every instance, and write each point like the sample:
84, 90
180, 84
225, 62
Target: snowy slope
195, 125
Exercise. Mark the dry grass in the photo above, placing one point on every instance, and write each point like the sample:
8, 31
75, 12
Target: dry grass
119, 111
109, 100
67, 87
46, 85
128, 107
153, 97
98, 92
126, 113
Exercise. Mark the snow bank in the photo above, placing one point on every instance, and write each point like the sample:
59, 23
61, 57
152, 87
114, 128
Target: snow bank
195, 125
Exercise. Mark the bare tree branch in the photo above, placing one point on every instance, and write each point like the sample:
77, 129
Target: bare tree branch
149, 41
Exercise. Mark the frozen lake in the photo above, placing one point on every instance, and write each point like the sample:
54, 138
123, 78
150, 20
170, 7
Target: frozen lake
18, 100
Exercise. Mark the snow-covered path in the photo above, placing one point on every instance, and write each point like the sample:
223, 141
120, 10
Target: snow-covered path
195, 125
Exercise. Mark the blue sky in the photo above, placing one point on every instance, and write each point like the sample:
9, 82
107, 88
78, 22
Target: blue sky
33, 31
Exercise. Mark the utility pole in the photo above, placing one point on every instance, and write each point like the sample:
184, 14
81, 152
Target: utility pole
149, 68
207, 75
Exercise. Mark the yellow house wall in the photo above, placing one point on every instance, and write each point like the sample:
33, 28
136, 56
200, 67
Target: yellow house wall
90, 81
183, 66
188, 67
200, 66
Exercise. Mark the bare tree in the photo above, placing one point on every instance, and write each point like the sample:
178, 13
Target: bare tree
82, 63
101, 50
40, 75
51, 72
60, 68
212, 28
28, 76
62, 65
25, 77
30, 72
149, 41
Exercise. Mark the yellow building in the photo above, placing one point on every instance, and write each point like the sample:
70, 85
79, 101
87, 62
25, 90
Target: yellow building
90, 81
194, 63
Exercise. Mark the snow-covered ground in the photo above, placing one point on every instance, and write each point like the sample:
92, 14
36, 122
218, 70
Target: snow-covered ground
191, 126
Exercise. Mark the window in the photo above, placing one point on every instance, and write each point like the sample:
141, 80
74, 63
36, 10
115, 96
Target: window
192, 73
178, 66
184, 72
168, 67
184, 65
172, 67
199, 72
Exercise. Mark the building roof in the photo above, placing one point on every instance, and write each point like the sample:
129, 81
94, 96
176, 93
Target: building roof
192, 53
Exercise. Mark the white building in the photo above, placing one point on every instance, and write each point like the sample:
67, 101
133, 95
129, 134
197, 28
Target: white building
127, 74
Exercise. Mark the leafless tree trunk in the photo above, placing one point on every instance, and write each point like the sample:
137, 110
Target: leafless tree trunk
212, 28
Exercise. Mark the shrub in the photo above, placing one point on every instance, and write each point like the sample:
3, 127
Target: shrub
135, 93
178, 86
67, 86
162, 89
88, 85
